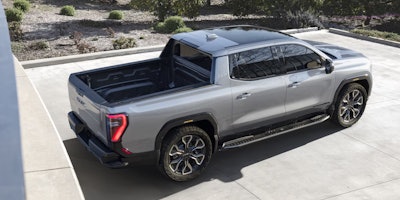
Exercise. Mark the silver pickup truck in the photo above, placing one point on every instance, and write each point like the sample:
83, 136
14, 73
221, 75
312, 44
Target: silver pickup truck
211, 90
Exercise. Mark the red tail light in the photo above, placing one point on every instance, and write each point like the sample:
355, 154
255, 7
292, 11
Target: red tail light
117, 124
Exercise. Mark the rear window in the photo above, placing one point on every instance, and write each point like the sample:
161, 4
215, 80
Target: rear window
193, 55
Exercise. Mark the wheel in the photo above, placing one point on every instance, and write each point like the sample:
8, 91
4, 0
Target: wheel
350, 105
185, 153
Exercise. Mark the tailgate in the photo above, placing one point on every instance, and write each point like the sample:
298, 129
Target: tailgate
86, 104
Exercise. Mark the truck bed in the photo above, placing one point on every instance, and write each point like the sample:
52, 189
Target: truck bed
143, 78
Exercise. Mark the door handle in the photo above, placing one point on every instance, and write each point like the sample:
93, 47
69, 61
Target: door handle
243, 96
294, 84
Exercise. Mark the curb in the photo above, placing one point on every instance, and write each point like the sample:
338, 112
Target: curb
301, 30
105, 54
367, 38
90, 56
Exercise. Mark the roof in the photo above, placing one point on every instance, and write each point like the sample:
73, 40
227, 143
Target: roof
224, 38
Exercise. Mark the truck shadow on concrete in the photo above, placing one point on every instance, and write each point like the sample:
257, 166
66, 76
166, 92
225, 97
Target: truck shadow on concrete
145, 182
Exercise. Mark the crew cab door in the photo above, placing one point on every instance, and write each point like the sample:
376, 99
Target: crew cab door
258, 89
308, 85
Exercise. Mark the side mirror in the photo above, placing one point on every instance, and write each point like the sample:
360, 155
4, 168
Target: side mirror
329, 66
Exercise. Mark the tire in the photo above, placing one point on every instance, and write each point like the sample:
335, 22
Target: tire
185, 153
350, 105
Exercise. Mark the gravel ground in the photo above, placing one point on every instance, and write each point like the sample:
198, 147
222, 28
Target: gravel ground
43, 23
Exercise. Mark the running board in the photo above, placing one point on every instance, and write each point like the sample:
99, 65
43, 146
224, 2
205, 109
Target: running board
242, 141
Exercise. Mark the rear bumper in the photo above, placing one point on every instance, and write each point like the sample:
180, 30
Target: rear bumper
107, 156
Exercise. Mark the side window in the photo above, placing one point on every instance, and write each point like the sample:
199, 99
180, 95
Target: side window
253, 64
298, 57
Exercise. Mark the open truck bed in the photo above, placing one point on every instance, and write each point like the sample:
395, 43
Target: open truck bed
140, 79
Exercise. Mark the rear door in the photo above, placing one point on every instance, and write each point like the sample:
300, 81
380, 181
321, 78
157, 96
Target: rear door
258, 89
308, 85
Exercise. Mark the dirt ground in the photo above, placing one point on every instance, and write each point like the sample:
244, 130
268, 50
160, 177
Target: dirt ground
43, 23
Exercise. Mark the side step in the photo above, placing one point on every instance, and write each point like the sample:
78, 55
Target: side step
242, 141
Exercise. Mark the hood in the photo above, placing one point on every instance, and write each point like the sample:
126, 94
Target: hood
336, 52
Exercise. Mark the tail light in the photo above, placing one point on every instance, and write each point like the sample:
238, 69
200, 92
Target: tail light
116, 124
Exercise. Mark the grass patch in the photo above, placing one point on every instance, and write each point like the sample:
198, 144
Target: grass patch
378, 34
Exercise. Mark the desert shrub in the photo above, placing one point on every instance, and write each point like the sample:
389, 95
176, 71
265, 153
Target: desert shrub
67, 10
378, 34
183, 30
23, 5
14, 15
123, 43
41, 45
116, 14
84, 47
302, 19
76, 36
15, 31
17, 47
110, 32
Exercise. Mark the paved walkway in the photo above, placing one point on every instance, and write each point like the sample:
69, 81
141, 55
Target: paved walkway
319, 162
48, 171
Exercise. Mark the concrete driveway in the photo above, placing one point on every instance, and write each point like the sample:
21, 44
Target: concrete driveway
319, 162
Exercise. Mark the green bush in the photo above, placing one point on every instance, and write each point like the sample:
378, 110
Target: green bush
123, 43
23, 5
182, 30
160, 27
67, 10
173, 23
15, 31
14, 15
116, 14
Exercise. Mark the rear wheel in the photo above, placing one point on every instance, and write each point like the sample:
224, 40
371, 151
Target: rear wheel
185, 153
350, 105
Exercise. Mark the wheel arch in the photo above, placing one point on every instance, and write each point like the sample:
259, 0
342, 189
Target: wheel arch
204, 121
364, 80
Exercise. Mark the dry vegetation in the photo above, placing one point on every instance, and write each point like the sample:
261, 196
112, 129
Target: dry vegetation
46, 33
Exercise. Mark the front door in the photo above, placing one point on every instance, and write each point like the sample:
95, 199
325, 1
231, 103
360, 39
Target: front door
308, 85
258, 89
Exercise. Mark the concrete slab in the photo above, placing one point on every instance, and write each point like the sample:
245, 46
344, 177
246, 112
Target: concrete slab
36, 132
51, 185
48, 171
388, 190
319, 162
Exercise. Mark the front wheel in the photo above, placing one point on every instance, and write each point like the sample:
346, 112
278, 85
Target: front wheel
185, 153
350, 105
